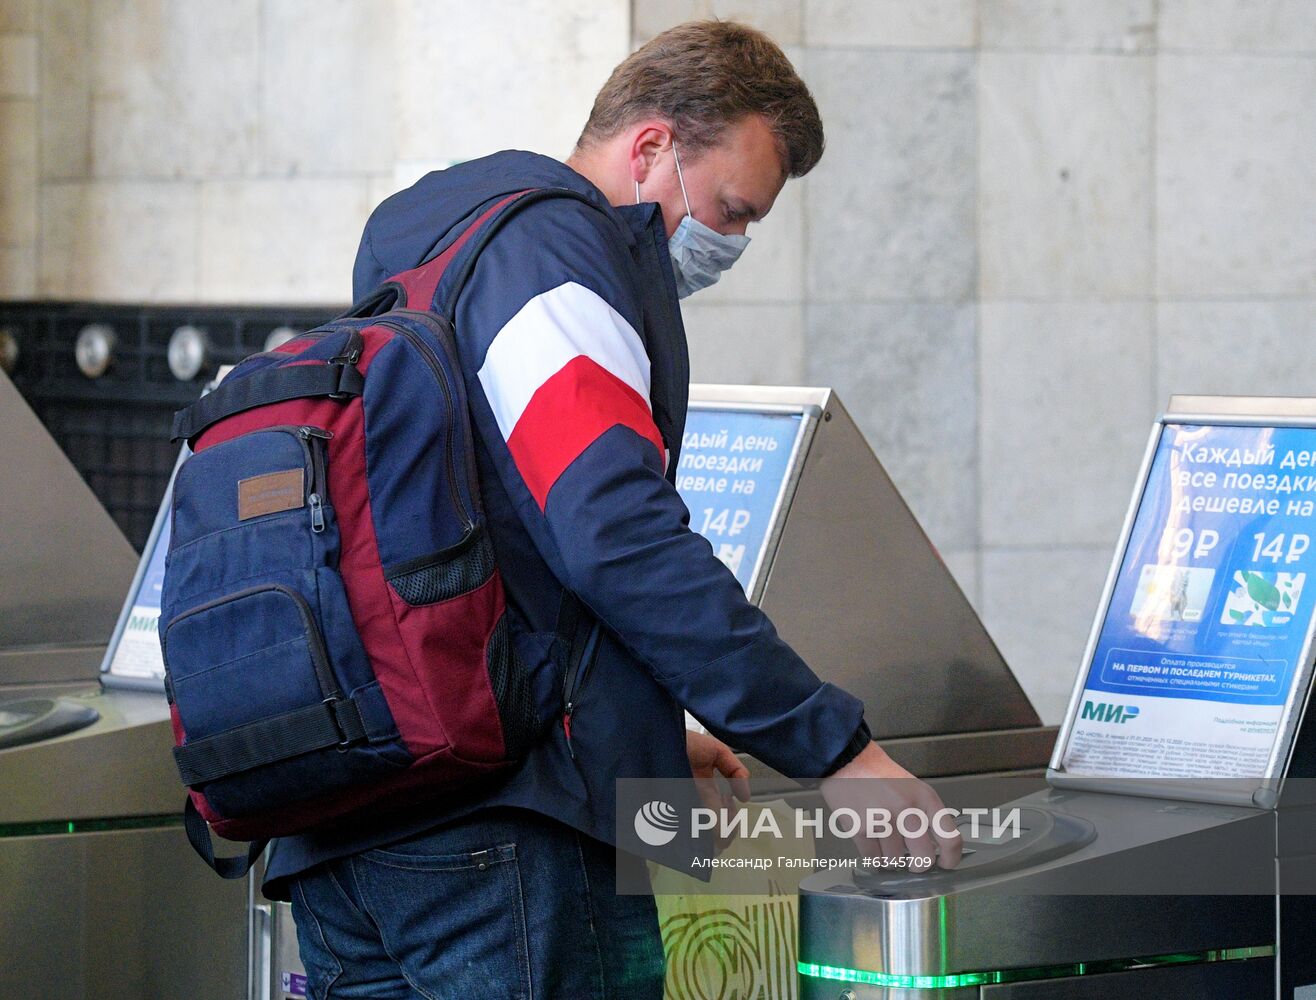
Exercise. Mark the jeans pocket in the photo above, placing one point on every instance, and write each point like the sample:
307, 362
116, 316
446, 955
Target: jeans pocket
454, 922
313, 943
417, 854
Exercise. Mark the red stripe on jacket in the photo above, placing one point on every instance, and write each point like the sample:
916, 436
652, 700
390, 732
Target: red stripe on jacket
567, 414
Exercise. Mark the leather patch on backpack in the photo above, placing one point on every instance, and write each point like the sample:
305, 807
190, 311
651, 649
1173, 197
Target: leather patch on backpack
270, 493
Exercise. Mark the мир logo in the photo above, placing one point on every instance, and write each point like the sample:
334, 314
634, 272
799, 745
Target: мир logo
656, 823
1102, 712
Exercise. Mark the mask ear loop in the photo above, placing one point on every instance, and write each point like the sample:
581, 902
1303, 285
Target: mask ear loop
677, 157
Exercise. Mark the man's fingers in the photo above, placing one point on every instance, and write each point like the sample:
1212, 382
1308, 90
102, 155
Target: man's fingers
924, 849
740, 787
893, 846
951, 848
942, 829
734, 771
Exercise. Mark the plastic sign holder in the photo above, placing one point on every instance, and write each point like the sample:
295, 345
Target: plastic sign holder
1198, 667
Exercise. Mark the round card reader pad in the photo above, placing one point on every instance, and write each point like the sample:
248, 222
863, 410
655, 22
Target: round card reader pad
1039, 837
28, 720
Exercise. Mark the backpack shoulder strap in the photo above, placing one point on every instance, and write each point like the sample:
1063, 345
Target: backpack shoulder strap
456, 252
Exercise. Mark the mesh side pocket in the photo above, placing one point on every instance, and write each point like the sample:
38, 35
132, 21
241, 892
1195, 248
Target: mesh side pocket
439, 578
511, 690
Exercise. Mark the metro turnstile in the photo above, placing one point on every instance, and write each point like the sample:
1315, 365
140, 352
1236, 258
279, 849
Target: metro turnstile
852, 582
100, 892
1156, 886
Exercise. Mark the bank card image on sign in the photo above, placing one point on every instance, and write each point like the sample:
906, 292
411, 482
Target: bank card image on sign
1208, 624
1172, 593
1264, 600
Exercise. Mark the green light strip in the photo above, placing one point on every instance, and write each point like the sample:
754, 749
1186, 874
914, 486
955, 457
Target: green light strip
1022, 975
59, 827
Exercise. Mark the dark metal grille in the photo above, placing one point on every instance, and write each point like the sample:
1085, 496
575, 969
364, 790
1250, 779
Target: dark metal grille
115, 429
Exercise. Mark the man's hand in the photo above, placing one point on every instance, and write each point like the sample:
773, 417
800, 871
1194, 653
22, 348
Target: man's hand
708, 756
874, 781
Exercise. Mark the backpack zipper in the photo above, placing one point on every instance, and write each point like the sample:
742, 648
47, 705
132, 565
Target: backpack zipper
319, 486
447, 341
440, 376
351, 351
318, 483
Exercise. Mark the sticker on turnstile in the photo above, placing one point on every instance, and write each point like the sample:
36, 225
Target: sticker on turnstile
294, 984
1210, 612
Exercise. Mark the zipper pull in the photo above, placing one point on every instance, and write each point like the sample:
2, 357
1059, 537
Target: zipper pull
566, 728
317, 512
314, 432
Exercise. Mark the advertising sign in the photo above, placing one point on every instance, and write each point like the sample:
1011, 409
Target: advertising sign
137, 653
734, 466
1211, 610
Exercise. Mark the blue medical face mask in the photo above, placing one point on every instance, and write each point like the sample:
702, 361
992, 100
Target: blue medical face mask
699, 253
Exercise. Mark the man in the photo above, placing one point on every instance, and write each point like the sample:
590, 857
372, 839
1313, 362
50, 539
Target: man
571, 341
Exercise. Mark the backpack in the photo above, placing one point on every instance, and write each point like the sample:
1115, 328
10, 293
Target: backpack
334, 626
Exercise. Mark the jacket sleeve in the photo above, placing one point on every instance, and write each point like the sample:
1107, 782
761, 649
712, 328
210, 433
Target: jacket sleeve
560, 394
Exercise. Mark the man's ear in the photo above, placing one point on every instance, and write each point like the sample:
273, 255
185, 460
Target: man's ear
648, 140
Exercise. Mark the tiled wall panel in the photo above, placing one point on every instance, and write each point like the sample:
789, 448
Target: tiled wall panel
907, 373
1236, 175
891, 206
119, 241
1068, 25
1062, 432
1065, 162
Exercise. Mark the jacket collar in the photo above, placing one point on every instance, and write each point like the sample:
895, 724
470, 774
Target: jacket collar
664, 333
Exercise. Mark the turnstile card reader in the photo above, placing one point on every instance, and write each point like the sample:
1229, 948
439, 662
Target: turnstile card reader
1170, 872
28, 720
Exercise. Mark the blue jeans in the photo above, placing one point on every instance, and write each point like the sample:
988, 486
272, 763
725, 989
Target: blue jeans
505, 904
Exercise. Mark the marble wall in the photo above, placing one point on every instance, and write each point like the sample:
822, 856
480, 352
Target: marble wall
168, 150
1035, 220
19, 87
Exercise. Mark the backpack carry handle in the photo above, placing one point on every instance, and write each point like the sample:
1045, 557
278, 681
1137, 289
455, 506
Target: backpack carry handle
388, 296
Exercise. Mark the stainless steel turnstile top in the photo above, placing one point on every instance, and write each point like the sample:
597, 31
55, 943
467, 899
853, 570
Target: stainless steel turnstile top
64, 564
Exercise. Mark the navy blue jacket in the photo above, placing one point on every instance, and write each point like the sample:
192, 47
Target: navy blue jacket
577, 372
